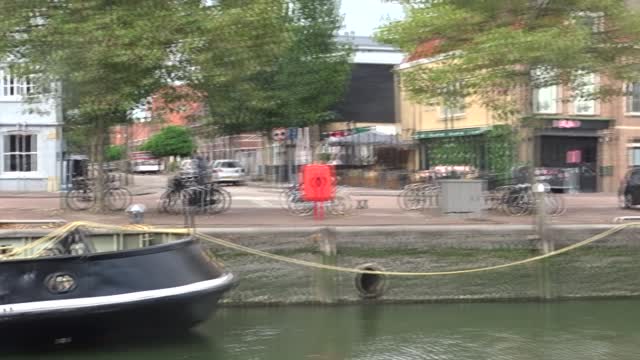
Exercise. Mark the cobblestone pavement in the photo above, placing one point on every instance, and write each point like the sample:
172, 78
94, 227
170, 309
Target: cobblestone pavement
259, 205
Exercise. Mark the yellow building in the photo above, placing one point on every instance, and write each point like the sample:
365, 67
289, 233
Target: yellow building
588, 143
444, 136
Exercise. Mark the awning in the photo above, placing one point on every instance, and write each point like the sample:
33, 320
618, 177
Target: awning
450, 133
568, 117
366, 138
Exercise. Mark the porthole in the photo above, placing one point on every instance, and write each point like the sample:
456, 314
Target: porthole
60, 283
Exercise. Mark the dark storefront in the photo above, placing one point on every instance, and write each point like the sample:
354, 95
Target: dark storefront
370, 95
567, 150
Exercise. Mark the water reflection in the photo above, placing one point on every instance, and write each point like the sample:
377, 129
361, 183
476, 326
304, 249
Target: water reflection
573, 330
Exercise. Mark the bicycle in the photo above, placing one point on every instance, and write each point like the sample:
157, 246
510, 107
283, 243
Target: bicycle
82, 196
418, 196
183, 191
292, 200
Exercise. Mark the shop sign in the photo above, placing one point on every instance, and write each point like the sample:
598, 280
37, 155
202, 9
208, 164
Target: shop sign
449, 133
566, 124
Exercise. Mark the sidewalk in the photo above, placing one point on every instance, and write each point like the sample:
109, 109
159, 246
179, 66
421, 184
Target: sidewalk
382, 211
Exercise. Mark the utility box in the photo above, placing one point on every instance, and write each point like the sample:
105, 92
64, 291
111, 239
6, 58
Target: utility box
462, 196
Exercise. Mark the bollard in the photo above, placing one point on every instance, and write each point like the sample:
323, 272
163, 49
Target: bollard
136, 213
540, 190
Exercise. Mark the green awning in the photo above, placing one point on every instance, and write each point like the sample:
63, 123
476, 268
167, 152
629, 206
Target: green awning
449, 133
567, 117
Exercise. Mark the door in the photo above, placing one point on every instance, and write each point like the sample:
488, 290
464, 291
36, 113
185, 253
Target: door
575, 154
633, 187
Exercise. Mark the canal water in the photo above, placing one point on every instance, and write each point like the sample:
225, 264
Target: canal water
567, 330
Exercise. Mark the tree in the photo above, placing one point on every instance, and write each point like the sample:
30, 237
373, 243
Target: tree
493, 49
114, 153
102, 58
267, 63
170, 141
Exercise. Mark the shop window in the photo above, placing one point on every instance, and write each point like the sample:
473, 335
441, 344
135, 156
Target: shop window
585, 85
20, 153
633, 98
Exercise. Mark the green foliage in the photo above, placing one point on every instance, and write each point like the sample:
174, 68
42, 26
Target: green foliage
455, 151
324, 157
107, 55
501, 149
494, 151
114, 153
97, 59
170, 141
173, 166
492, 46
267, 63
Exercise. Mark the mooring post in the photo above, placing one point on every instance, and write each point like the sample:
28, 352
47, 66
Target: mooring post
540, 192
547, 245
325, 281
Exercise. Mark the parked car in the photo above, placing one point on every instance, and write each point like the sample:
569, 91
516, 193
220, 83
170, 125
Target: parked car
186, 165
228, 171
144, 162
629, 192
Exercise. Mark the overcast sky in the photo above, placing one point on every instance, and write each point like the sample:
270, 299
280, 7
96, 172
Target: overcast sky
364, 16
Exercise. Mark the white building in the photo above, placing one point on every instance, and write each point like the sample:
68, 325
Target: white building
30, 141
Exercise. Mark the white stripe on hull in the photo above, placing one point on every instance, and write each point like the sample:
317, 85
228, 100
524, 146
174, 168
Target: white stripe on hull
80, 303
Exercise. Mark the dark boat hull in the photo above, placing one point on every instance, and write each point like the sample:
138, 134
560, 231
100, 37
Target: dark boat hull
164, 288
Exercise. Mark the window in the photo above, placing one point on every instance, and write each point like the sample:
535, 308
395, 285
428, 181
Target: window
545, 97
456, 108
20, 153
591, 20
545, 100
11, 86
633, 98
584, 105
633, 154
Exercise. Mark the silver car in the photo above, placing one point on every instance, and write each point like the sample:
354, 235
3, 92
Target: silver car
228, 171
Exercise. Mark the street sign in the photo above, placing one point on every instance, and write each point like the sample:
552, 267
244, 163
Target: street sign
279, 134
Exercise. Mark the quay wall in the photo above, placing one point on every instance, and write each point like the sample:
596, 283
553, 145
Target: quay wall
604, 269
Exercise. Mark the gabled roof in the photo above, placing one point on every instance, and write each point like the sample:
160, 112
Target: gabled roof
426, 49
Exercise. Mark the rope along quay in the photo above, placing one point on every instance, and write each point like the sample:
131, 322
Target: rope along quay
60, 233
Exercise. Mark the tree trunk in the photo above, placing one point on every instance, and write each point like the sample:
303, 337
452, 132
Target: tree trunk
99, 162
125, 157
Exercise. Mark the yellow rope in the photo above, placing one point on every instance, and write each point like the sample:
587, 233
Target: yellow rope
59, 234
406, 274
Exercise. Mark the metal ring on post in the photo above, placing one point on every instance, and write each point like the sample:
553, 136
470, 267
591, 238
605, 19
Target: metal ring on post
371, 286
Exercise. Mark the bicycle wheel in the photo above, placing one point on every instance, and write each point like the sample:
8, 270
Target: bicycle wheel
227, 199
415, 199
400, 199
80, 200
517, 204
216, 201
284, 198
555, 205
340, 205
299, 207
117, 199
170, 203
